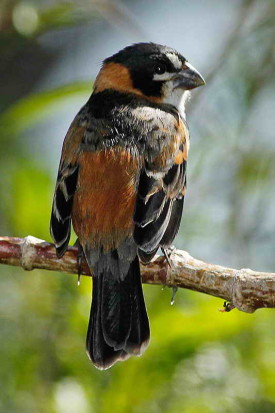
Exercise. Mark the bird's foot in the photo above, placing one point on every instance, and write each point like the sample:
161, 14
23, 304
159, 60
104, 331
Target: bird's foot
174, 292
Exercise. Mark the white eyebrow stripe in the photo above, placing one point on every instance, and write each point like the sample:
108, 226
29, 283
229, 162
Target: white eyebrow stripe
176, 62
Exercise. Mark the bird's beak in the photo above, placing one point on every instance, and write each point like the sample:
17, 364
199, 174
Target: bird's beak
188, 78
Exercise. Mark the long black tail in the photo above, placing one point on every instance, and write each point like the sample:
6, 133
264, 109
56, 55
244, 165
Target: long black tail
118, 325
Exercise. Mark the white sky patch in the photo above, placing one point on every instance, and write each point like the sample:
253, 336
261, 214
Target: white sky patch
176, 62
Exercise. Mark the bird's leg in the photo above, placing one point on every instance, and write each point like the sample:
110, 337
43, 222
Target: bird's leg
167, 252
80, 257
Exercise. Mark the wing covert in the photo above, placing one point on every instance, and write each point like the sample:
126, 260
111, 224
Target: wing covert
60, 225
160, 199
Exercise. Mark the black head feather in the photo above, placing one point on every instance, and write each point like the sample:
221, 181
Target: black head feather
142, 59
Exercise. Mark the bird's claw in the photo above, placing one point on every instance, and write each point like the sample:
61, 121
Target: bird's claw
174, 292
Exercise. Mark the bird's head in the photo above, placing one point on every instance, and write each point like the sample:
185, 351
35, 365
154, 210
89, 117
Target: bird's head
155, 72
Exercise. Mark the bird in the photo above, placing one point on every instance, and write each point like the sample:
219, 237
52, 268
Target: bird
121, 185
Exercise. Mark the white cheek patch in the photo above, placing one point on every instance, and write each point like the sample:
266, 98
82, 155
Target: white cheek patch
175, 97
176, 62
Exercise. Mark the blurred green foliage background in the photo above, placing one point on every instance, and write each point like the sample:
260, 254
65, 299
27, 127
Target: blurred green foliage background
199, 359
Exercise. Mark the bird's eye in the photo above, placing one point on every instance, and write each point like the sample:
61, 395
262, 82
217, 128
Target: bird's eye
160, 68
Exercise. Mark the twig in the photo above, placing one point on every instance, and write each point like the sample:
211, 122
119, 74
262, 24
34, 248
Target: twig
245, 289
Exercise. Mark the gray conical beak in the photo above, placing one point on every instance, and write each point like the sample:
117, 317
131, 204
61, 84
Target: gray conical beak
188, 78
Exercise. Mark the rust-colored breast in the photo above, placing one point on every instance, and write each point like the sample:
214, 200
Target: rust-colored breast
104, 202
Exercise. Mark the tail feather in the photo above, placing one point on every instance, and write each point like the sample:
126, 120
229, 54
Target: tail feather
140, 331
115, 314
102, 355
118, 326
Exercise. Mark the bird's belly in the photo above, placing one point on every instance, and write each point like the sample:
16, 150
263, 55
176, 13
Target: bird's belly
105, 199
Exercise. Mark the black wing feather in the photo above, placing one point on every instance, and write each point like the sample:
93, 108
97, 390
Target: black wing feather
60, 225
148, 238
174, 224
158, 210
146, 212
146, 257
146, 184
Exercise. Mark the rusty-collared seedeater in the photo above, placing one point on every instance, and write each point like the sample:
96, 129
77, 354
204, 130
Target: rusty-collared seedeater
121, 184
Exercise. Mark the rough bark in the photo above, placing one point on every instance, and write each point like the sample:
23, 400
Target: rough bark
244, 289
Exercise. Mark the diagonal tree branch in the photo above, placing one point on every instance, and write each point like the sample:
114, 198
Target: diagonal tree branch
245, 289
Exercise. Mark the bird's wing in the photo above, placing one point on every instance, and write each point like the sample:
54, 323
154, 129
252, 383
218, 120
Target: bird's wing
60, 225
160, 196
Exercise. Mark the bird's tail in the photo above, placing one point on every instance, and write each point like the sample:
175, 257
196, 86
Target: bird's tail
118, 325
